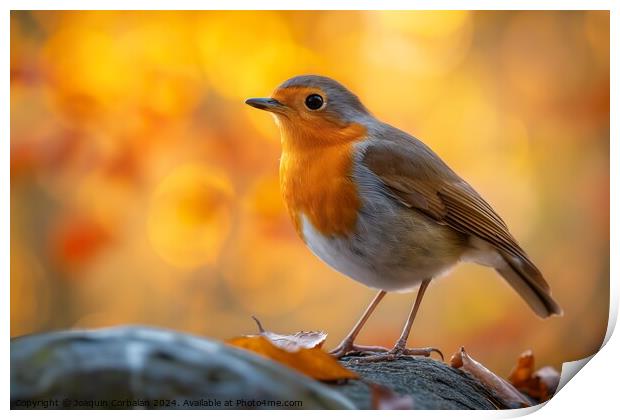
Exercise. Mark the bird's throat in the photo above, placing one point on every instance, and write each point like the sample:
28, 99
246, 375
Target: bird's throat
316, 181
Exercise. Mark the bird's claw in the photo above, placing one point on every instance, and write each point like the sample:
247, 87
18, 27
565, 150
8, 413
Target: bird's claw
423, 351
347, 348
398, 351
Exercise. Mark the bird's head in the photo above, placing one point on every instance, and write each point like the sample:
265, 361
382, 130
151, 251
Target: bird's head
314, 111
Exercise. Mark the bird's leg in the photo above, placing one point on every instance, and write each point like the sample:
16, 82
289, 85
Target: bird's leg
347, 346
400, 348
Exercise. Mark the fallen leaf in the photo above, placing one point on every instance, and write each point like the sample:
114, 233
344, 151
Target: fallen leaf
293, 342
313, 362
461, 360
524, 369
385, 398
548, 379
540, 384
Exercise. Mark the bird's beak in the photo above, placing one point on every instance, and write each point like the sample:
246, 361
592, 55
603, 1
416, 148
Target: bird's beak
267, 104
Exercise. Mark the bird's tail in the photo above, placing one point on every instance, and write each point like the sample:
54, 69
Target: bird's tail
528, 281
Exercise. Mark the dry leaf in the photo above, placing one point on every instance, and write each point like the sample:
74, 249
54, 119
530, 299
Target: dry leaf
384, 398
302, 339
461, 360
540, 384
524, 369
313, 362
548, 380
300, 351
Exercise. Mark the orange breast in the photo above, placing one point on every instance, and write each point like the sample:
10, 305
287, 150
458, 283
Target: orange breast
315, 179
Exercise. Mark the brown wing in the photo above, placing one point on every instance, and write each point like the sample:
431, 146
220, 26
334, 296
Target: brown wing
418, 178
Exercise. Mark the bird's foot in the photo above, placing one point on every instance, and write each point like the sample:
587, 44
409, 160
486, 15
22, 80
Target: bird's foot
348, 348
398, 351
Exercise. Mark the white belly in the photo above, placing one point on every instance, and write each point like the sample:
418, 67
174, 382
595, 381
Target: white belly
367, 266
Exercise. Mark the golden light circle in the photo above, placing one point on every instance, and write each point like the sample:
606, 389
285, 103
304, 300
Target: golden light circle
190, 215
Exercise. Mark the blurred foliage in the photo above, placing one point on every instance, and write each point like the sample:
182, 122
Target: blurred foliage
143, 190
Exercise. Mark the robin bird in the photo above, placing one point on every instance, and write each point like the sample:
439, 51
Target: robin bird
379, 206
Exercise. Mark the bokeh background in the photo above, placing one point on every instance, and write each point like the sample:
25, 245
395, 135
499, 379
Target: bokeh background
144, 191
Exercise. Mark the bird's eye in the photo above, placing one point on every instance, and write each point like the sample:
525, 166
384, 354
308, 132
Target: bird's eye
314, 101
